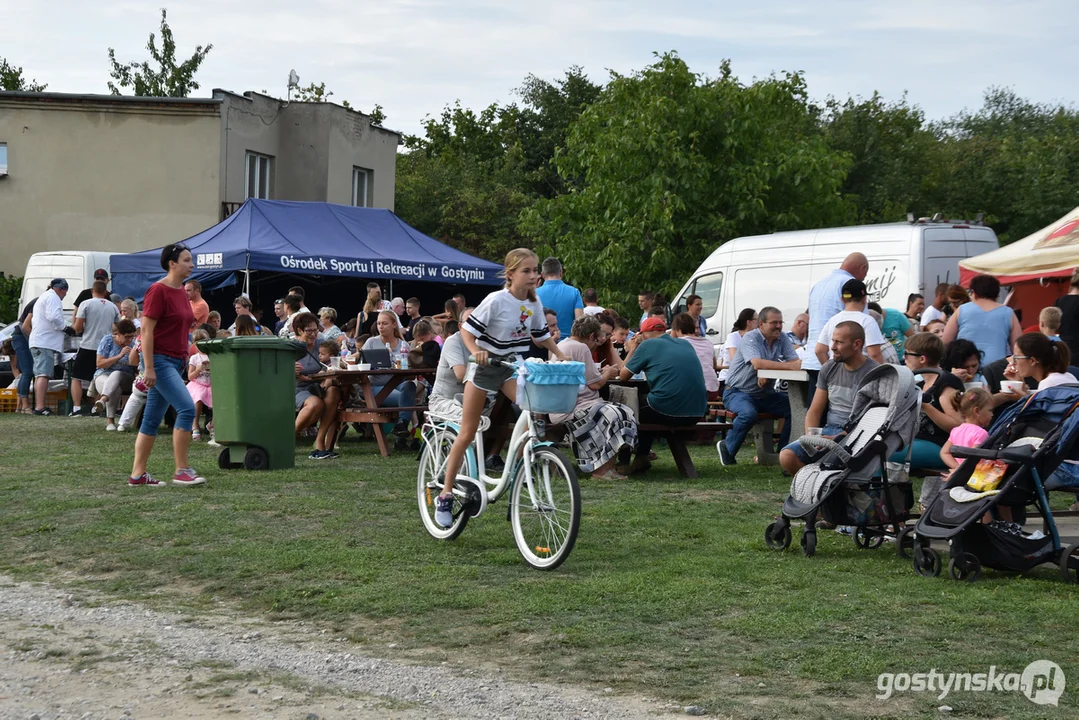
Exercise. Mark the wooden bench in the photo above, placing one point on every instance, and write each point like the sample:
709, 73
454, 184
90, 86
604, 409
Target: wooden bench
764, 436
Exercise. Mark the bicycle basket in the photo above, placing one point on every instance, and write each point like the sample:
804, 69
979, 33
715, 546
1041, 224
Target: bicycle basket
550, 387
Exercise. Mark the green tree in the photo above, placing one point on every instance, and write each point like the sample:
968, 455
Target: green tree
11, 78
891, 150
167, 79
1016, 161
10, 289
671, 164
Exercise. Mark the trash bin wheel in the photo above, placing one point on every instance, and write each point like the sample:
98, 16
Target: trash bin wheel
224, 460
256, 459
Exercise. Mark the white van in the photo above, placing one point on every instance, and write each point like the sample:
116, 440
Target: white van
779, 269
75, 266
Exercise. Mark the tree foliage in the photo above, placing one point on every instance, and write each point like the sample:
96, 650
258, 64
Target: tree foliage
11, 78
167, 79
672, 164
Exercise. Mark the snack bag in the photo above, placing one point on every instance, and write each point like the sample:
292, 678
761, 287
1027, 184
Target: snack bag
987, 475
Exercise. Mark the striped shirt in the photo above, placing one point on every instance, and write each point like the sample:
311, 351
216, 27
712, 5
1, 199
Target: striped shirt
504, 325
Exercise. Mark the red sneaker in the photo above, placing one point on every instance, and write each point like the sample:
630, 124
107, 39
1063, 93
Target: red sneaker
187, 476
144, 479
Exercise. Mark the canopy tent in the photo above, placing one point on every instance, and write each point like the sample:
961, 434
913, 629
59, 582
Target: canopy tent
310, 238
1036, 267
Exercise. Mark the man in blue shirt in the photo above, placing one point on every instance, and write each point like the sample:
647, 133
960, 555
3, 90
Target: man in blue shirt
825, 300
746, 394
564, 299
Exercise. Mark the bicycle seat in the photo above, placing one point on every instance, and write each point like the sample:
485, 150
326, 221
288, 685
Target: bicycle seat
485, 422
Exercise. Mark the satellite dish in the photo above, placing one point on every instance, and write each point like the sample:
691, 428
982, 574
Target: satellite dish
293, 79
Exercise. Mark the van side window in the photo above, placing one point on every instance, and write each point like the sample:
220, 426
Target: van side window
708, 287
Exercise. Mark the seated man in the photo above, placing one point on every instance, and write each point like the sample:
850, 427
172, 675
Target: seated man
837, 384
676, 392
747, 395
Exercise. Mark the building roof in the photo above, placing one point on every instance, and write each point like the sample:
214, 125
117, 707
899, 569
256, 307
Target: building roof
104, 99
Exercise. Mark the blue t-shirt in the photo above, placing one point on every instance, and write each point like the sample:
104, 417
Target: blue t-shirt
563, 299
675, 378
742, 375
108, 348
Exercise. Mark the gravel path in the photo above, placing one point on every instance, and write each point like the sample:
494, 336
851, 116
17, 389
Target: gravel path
81, 656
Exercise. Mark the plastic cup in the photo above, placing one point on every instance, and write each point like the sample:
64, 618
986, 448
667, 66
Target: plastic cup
814, 431
1012, 386
972, 385
363, 366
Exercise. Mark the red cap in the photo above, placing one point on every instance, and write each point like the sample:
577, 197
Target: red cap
654, 324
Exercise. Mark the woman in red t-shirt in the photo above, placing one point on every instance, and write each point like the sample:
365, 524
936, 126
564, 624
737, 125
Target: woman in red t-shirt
166, 321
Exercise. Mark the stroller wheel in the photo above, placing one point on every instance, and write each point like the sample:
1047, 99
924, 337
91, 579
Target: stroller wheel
809, 543
965, 567
926, 561
1069, 563
778, 538
866, 540
904, 543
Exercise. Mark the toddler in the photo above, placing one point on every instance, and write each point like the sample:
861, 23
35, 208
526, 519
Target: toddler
198, 385
976, 408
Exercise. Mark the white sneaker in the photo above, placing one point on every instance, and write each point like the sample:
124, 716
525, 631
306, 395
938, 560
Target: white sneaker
120, 428
111, 427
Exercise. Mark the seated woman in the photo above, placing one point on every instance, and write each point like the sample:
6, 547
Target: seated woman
598, 429
390, 338
939, 416
1037, 357
313, 402
328, 319
685, 327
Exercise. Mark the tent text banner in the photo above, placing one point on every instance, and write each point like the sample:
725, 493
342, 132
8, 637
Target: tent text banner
382, 268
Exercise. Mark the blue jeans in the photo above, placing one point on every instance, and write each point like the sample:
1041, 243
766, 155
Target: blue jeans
26, 363
404, 395
747, 407
803, 455
168, 390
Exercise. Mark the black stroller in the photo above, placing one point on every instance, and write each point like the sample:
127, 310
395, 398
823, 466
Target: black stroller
1032, 438
852, 484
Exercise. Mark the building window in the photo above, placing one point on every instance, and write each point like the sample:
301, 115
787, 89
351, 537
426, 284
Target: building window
3, 158
361, 187
259, 181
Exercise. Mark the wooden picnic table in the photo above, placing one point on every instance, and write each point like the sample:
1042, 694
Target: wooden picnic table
373, 412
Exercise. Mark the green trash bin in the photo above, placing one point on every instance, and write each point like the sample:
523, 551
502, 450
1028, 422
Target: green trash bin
254, 383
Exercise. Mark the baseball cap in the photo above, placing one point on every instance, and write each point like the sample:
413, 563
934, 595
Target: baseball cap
59, 284
654, 324
101, 274
854, 290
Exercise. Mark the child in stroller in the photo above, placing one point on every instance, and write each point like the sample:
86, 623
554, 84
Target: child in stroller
1027, 443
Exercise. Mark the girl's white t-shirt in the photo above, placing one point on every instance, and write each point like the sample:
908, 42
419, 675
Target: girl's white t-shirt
504, 325
196, 361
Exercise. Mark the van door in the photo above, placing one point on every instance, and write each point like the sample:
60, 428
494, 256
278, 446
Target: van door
942, 249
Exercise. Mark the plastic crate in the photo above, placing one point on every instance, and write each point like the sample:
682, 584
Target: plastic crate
54, 397
9, 400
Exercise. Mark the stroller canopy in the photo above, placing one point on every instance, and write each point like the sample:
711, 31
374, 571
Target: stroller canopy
894, 387
1053, 403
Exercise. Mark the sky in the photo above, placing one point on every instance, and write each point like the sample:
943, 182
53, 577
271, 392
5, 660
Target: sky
415, 57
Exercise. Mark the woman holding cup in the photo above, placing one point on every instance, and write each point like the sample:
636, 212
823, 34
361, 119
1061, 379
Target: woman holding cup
1036, 356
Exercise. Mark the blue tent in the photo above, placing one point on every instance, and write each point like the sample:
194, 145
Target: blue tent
309, 238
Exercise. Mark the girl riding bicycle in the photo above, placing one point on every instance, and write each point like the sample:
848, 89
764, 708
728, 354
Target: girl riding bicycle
503, 326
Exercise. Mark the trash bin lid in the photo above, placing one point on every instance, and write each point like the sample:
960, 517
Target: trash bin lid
251, 342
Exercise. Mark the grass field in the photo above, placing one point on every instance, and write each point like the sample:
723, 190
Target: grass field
670, 591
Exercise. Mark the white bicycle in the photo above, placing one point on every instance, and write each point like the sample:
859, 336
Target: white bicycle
545, 497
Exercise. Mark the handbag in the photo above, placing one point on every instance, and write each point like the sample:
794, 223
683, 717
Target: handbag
626, 396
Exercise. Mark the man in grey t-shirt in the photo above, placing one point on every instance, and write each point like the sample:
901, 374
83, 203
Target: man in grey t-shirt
837, 385
94, 319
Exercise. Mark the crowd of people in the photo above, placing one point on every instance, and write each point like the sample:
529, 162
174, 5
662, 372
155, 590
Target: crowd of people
964, 346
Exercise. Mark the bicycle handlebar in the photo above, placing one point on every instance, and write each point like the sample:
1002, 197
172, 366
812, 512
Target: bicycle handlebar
491, 360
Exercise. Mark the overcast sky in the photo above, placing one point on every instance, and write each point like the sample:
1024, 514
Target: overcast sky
416, 56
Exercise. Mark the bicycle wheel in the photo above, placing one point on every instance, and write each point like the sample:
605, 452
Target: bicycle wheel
546, 517
429, 482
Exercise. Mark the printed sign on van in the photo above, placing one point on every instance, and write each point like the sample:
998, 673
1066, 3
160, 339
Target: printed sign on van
879, 285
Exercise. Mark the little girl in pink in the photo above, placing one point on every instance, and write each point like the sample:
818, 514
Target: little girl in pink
198, 384
976, 408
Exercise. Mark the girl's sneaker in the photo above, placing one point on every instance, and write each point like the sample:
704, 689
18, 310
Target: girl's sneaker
196, 435
111, 427
444, 510
144, 480
188, 476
